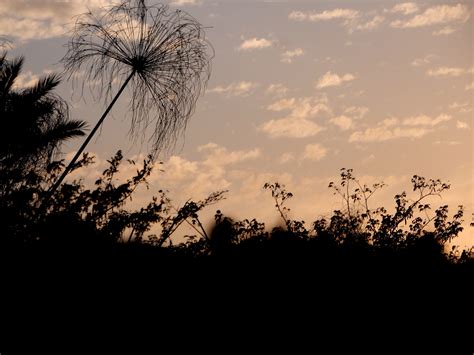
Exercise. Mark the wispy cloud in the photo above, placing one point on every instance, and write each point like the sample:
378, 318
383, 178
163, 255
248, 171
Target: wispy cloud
290, 127
445, 31
277, 90
298, 123
343, 122
371, 25
436, 15
336, 14
288, 56
427, 59
470, 86
32, 20
332, 79
255, 44
185, 2
357, 112
406, 8
242, 89
462, 125
315, 152
393, 128
25, 80
447, 72
218, 155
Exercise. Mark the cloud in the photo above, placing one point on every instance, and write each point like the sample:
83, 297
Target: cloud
283, 104
356, 111
329, 79
287, 57
26, 80
369, 25
445, 31
315, 152
255, 44
446, 72
424, 120
470, 86
286, 158
305, 107
462, 125
418, 62
336, 14
436, 15
277, 90
343, 122
217, 155
445, 142
405, 8
32, 20
185, 2
290, 127
240, 89
393, 128
297, 123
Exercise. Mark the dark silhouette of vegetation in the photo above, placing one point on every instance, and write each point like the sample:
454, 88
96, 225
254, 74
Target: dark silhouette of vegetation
161, 55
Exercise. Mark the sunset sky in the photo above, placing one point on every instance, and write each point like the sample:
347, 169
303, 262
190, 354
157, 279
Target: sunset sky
298, 90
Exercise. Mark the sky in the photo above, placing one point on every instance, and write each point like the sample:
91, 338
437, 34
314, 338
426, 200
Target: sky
298, 90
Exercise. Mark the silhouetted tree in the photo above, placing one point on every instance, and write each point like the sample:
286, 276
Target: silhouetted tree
35, 122
161, 55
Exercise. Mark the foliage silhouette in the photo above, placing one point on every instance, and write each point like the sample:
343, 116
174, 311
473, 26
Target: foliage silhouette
35, 122
161, 55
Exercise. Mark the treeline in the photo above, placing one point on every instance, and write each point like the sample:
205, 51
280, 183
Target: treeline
77, 217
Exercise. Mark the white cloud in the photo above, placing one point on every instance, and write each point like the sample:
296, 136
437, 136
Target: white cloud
448, 142
343, 122
383, 133
26, 80
282, 105
369, 25
217, 155
31, 19
392, 128
297, 123
462, 125
185, 2
446, 72
356, 112
345, 14
290, 127
405, 8
315, 152
456, 105
277, 90
287, 57
436, 15
445, 31
418, 62
305, 107
331, 79
242, 89
255, 44
424, 120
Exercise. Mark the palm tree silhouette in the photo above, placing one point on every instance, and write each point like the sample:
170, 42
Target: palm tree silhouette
34, 121
162, 55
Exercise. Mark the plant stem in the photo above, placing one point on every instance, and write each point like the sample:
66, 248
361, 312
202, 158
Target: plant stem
68, 169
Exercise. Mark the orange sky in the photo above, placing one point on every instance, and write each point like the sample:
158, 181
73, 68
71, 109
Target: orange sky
299, 89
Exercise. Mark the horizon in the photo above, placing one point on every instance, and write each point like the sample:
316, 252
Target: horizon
297, 91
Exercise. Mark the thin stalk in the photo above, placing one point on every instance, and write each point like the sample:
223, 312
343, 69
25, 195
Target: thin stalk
68, 169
